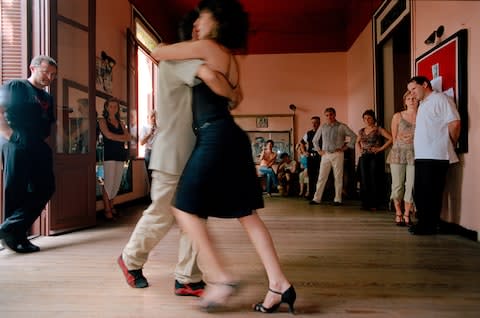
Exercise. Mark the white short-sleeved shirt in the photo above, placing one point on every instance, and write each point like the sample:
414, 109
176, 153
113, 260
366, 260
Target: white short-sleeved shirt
431, 139
144, 132
175, 139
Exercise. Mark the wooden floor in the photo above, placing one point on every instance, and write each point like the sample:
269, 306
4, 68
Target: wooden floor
343, 262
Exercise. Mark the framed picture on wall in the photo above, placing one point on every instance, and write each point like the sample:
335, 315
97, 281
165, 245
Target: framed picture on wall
260, 128
262, 122
445, 65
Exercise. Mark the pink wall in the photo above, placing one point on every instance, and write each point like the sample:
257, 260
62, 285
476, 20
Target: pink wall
360, 83
312, 82
112, 38
462, 206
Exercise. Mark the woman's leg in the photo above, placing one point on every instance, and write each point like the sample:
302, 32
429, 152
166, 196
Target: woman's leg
263, 243
196, 228
219, 279
398, 186
301, 182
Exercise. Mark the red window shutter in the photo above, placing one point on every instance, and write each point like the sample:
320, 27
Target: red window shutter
13, 43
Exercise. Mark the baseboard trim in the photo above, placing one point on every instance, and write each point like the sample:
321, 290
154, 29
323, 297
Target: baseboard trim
453, 228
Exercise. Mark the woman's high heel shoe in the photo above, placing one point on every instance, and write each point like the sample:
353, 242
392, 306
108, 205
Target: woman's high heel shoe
407, 220
213, 305
288, 297
108, 215
399, 221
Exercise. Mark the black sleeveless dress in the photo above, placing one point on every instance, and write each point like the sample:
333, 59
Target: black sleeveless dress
220, 178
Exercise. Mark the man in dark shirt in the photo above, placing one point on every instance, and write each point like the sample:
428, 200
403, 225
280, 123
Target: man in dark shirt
26, 116
313, 160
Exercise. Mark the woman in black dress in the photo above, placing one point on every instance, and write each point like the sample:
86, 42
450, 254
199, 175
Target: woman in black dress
222, 150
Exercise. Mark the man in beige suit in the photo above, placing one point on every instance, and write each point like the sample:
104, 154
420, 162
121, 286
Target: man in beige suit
170, 151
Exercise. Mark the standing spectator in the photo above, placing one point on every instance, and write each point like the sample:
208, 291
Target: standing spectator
436, 132
303, 174
26, 116
313, 161
333, 134
402, 158
115, 135
267, 159
372, 142
147, 137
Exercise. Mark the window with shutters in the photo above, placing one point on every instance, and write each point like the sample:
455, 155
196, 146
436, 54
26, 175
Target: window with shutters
13, 43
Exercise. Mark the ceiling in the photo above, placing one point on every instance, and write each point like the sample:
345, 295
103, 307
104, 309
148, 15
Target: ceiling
279, 26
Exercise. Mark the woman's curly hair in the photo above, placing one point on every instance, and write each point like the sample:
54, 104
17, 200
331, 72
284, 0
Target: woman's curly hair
232, 21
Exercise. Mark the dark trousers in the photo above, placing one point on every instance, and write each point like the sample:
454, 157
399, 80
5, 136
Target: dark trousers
313, 168
29, 184
148, 155
429, 184
371, 173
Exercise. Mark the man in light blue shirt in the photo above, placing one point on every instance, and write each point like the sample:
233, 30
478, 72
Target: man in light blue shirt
333, 134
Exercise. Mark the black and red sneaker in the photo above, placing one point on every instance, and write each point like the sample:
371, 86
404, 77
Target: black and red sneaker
190, 289
134, 277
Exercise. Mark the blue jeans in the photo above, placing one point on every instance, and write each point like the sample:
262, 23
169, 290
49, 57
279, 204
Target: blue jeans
271, 178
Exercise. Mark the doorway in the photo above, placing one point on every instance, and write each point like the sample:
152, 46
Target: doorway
392, 58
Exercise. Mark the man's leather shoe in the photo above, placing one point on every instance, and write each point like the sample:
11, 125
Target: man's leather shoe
134, 277
419, 229
23, 246
4, 234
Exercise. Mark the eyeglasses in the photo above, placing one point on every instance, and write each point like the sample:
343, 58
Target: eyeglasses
44, 71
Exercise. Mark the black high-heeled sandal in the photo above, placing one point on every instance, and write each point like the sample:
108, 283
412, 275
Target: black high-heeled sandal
289, 296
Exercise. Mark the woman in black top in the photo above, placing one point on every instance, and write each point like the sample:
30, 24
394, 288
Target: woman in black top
115, 135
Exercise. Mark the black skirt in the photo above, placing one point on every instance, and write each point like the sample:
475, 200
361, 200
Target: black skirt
220, 178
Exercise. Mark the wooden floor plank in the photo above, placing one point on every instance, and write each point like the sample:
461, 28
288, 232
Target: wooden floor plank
344, 262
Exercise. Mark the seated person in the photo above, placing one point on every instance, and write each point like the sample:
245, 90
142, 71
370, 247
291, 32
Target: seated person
287, 175
267, 159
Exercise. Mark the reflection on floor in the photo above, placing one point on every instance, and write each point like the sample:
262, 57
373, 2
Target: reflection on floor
344, 262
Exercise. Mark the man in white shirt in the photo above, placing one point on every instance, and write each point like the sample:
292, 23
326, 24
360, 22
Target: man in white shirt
147, 137
436, 132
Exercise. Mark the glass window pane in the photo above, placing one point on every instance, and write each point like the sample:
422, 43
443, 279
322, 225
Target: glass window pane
73, 113
145, 36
